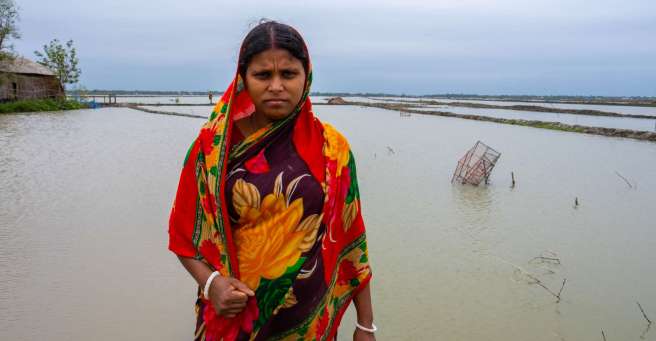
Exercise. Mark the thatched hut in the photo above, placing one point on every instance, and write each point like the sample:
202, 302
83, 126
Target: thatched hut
22, 78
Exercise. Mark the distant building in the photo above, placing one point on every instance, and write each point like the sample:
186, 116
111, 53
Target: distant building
22, 78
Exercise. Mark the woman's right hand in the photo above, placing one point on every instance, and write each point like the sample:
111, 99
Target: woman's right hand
229, 296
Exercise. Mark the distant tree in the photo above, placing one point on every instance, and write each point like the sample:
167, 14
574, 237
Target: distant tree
8, 27
62, 60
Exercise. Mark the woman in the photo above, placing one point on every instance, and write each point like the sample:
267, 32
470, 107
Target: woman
267, 214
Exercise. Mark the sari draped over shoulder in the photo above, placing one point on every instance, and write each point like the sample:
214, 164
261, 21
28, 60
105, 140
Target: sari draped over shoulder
280, 211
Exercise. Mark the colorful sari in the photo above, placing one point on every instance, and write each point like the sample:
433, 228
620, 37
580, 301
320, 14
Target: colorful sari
278, 210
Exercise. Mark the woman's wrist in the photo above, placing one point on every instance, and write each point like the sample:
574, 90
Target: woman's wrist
365, 321
208, 284
366, 328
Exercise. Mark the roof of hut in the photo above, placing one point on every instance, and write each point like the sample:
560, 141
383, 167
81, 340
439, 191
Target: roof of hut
24, 66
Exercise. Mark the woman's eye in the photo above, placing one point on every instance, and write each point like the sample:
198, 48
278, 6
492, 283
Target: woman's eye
289, 74
261, 75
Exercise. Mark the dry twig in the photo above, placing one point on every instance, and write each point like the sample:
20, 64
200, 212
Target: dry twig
623, 178
561, 289
550, 259
643, 312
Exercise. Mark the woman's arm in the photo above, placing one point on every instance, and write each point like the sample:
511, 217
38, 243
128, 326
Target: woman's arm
197, 269
363, 307
365, 314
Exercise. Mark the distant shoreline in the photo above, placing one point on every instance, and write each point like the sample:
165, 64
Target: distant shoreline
410, 109
586, 100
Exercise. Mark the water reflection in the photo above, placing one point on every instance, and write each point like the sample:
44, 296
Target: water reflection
474, 204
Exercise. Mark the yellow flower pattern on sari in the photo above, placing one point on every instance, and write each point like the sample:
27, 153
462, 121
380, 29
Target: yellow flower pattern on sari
270, 236
336, 148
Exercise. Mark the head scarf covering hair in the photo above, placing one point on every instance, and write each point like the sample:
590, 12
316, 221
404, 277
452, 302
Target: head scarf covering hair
200, 226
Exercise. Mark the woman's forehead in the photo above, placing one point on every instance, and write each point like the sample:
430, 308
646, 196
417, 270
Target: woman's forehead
275, 58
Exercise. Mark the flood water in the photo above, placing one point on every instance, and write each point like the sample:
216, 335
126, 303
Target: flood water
86, 196
640, 124
620, 109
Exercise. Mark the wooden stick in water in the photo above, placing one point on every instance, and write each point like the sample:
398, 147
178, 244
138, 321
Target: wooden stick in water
556, 260
561, 289
623, 178
643, 313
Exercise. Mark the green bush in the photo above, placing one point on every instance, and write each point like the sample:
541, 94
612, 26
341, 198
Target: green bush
40, 105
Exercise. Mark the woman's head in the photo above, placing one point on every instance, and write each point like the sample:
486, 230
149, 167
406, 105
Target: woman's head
274, 63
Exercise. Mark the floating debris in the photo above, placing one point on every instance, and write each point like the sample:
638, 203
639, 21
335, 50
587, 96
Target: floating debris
476, 165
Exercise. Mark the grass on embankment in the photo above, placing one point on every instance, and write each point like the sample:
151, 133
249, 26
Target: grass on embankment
40, 105
613, 132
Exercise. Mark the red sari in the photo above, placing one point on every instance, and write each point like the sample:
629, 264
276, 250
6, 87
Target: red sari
280, 211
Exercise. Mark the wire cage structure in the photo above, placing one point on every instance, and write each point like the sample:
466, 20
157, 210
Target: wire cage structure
476, 166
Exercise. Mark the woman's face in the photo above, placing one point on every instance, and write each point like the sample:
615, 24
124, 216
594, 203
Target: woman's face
275, 81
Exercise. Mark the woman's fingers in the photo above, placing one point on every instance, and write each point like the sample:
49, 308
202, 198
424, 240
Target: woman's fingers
242, 287
235, 296
234, 310
234, 302
236, 305
231, 312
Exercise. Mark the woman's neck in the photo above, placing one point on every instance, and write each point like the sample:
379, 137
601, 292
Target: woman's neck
252, 123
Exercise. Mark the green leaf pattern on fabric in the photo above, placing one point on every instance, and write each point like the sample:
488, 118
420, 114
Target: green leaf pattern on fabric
271, 293
354, 191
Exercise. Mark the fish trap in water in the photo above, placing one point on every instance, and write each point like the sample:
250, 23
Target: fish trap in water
476, 166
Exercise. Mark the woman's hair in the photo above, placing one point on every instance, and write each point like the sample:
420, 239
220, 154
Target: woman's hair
269, 34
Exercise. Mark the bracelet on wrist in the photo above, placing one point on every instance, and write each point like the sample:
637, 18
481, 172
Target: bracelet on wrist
208, 283
372, 330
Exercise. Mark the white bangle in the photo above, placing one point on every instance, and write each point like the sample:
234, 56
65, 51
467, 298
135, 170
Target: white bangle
206, 292
372, 330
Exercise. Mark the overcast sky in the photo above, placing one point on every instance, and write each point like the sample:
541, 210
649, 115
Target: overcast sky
544, 47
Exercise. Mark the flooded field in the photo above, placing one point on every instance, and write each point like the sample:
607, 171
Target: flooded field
86, 196
620, 109
176, 104
640, 124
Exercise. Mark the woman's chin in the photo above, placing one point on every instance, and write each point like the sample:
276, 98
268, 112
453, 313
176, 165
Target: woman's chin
279, 114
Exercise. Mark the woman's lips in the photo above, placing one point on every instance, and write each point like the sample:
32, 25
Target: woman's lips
275, 102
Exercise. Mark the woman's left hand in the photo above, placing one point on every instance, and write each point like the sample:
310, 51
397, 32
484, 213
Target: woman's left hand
361, 335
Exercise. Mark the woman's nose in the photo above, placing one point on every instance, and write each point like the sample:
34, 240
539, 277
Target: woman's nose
276, 84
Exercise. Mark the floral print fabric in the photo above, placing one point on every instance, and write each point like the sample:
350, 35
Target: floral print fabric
280, 211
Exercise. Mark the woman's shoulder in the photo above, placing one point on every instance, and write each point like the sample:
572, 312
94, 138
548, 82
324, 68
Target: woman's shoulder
336, 146
333, 136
